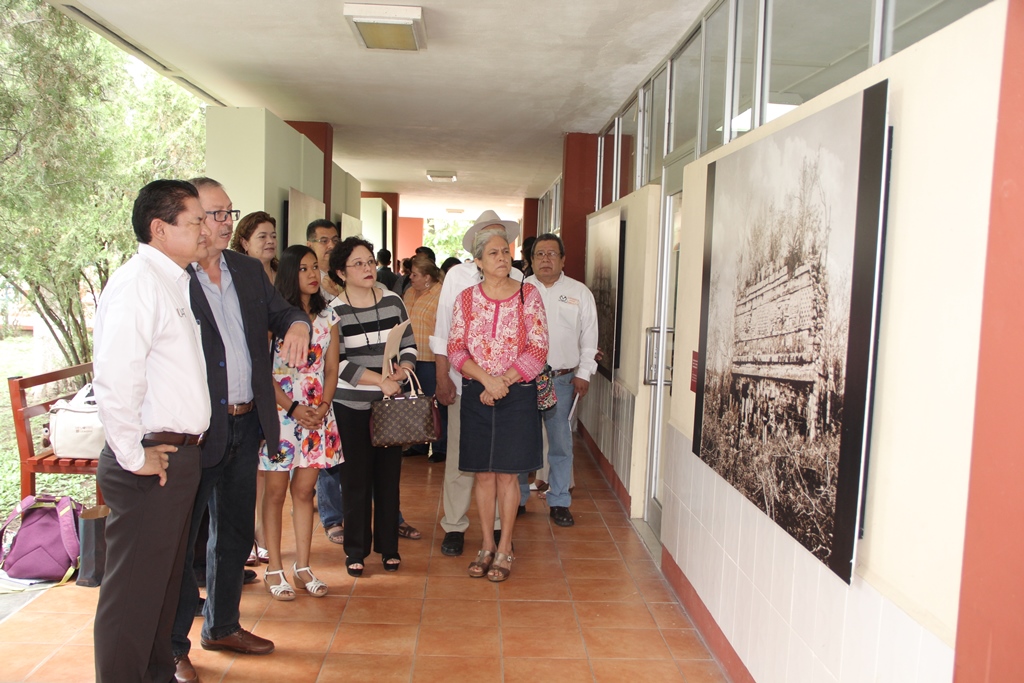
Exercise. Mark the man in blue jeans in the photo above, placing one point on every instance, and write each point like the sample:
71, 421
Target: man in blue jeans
572, 330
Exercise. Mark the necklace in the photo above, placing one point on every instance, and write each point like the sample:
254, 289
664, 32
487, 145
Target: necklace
356, 315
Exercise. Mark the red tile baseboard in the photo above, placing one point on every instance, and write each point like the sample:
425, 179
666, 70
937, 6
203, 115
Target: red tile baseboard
716, 641
621, 492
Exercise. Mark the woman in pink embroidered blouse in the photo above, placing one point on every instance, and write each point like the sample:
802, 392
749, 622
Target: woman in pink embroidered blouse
499, 342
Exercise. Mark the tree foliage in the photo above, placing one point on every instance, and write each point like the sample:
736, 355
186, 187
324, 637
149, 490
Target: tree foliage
444, 236
82, 128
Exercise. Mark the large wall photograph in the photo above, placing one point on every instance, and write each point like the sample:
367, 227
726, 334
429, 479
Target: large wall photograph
606, 235
789, 320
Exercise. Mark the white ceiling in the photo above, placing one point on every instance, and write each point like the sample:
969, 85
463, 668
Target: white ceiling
490, 97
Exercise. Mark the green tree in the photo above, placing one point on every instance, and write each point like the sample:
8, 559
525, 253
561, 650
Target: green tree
444, 236
82, 128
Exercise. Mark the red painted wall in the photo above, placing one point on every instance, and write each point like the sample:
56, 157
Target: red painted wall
410, 236
530, 207
322, 135
990, 627
579, 189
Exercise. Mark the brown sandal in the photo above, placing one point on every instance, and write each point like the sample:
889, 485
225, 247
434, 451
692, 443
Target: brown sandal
500, 568
336, 534
478, 568
406, 530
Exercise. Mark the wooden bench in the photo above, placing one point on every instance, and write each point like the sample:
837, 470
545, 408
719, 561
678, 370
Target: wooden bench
44, 461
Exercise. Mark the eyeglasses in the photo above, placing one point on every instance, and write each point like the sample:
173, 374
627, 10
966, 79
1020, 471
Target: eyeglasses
327, 241
546, 254
221, 216
361, 264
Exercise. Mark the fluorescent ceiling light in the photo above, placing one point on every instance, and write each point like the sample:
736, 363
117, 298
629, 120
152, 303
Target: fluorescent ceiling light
387, 27
441, 176
454, 210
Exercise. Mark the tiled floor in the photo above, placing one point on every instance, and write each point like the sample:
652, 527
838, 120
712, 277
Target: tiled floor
585, 603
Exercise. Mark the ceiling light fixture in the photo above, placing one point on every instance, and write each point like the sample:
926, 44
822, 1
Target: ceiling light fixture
454, 210
441, 176
387, 27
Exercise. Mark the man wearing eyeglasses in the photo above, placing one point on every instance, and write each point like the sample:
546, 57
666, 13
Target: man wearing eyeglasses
236, 306
322, 236
572, 328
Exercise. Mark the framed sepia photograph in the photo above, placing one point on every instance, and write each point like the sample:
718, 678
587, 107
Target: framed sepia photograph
606, 238
793, 250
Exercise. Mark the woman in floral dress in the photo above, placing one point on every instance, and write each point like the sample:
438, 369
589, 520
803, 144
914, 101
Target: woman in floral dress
309, 432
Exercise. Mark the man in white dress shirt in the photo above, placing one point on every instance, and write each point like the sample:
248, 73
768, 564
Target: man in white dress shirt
572, 330
458, 485
150, 384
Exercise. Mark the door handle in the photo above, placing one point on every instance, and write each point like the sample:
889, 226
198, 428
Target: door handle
651, 360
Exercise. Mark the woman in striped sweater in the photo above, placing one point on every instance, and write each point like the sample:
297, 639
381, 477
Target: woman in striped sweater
369, 475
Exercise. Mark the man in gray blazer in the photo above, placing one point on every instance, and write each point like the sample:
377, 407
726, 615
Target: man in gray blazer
235, 305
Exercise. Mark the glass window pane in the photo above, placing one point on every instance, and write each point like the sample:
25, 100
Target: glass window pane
656, 125
607, 165
746, 56
686, 95
716, 47
916, 19
629, 126
815, 45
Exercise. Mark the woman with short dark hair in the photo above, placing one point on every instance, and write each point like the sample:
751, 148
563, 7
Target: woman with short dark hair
256, 236
370, 475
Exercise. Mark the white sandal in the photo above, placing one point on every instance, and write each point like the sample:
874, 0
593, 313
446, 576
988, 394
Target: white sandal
315, 587
282, 591
257, 556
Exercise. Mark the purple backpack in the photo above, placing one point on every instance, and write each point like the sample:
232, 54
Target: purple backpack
46, 546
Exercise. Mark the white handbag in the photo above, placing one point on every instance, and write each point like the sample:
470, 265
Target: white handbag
75, 429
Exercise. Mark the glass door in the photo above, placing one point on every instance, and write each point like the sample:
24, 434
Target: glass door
658, 363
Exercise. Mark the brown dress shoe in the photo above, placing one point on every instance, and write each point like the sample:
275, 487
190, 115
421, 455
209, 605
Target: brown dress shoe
240, 641
184, 672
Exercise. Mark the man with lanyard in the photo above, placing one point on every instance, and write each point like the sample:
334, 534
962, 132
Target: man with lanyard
458, 485
236, 305
572, 329
150, 384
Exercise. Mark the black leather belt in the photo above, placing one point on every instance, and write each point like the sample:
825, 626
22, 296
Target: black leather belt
559, 373
175, 439
236, 409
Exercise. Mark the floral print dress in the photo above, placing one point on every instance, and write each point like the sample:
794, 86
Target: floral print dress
300, 447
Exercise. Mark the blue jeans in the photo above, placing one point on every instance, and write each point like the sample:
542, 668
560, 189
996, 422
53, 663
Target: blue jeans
229, 488
559, 447
328, 498
427, 373
559, 431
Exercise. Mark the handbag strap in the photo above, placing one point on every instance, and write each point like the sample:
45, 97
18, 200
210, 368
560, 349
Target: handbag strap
68, 532
65, 516
414, 386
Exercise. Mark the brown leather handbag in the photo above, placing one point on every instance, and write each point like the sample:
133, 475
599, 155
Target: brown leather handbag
405, 419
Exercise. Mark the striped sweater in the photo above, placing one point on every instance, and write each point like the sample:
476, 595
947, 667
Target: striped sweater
362, 334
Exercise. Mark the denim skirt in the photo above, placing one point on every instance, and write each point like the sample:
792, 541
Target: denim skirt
504, 438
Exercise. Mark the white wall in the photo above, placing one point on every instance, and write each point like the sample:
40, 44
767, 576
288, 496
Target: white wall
787, 616
258, 157
617, 415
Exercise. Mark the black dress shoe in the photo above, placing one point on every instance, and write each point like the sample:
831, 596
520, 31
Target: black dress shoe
452, 543
250, 577
437, 457
562, 516
199, 607
521, 511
